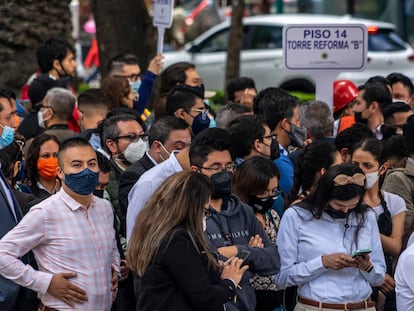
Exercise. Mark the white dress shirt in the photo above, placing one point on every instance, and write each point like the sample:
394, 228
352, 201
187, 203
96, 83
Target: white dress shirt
146, 186
303, 240
404, 279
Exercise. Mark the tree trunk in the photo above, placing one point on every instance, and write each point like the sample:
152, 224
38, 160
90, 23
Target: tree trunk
123, 27
24, 26
266, 6
235, 42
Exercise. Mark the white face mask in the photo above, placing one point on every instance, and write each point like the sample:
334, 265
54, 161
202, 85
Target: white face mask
40, 119
204, 223
135, 151
371, 179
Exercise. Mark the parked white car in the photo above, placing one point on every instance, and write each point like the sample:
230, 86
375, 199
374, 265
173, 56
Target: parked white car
262, 59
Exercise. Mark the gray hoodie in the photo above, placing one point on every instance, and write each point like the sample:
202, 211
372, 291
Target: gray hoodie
235, 225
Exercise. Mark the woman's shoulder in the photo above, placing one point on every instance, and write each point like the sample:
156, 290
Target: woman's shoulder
395, 203
295, 211
392, 197
178, 243
178, 236
177, 233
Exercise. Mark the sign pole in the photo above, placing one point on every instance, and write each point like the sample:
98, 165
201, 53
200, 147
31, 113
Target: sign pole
324, 86
160, 40
163, 17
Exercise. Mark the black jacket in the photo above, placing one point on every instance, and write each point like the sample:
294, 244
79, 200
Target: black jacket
129, 177
8, 219
179, 279
29, 127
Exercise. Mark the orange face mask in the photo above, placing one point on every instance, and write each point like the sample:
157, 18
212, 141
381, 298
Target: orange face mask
47, 167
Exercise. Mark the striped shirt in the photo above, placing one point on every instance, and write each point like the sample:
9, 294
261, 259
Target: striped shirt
65, 237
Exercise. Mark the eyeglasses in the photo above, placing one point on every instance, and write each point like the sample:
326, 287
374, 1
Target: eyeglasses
132, 77
134, 137
199, 110
218, 167
266, 194
272, 136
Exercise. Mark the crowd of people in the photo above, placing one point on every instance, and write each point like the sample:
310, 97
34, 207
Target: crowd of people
139, 196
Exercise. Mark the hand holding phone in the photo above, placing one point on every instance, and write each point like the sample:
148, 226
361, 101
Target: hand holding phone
360, 252
242, 254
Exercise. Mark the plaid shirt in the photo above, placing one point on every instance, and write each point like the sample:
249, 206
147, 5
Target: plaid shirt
64, 237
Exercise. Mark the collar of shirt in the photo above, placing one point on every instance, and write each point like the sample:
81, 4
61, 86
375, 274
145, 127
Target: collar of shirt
71, 202
377, 132
119, 165
283, 150
40, 186
238, 161
149, 157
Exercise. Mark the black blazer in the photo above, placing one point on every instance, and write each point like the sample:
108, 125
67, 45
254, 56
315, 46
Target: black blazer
129, 177
8, 289
180, 279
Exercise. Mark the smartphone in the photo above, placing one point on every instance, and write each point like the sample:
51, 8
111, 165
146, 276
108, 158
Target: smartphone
242, 254
359, 252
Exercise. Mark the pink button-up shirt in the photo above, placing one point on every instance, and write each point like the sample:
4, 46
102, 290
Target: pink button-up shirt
64, 237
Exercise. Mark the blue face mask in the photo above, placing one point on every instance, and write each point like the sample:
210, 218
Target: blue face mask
82, 183
7, 136
200, 122
212, 122
135, 86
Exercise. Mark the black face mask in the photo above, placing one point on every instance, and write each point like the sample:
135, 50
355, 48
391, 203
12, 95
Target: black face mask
274, 150
261, 205
359, 119
98, 193
336, 213
297, 135
221, 184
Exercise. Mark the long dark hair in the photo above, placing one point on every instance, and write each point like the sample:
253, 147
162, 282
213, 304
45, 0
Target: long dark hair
326, 190
178, 202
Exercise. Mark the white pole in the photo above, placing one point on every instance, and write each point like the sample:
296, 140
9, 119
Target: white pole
324, 86
74, 9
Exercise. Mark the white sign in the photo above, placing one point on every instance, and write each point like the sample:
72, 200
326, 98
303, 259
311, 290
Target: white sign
163, 13
337, 47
